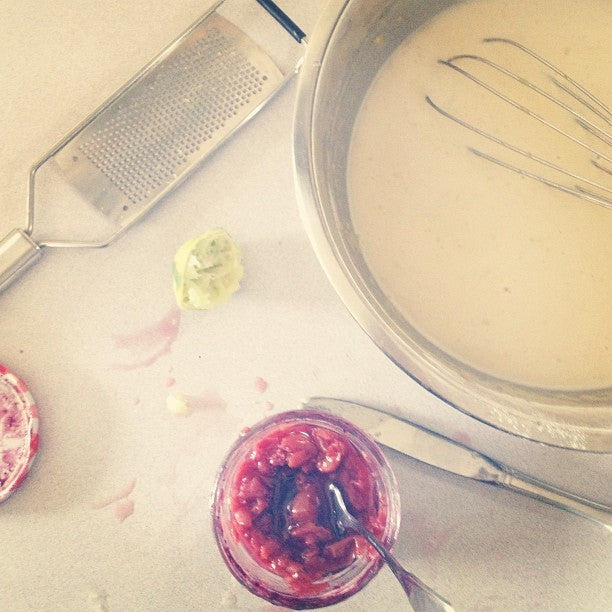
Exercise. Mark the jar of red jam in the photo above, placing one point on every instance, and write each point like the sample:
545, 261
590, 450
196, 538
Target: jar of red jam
272, 512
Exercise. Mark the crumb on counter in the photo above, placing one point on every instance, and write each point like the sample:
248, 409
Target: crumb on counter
179, 405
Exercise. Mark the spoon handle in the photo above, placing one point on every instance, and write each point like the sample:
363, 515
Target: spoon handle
421, 597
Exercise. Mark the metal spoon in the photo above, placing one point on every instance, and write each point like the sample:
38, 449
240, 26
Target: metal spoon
420, 596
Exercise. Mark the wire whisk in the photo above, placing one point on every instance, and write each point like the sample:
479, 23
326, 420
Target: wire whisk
582, 107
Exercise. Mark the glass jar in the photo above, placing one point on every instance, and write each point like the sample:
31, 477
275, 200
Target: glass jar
238, 549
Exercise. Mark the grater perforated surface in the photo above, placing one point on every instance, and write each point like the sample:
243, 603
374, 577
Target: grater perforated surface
169, 119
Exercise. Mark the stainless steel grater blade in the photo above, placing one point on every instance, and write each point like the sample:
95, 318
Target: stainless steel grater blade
157, 128
146, 140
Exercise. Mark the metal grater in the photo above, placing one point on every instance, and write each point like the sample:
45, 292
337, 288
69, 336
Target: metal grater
143, 141
137, 148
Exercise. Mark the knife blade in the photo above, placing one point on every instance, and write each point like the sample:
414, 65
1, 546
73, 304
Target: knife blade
449, 455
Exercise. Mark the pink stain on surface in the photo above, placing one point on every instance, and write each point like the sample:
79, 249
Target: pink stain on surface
210, 400
146, 346
268, 406
260, 384
433, 539
123, 509
462, 438
122, 493
170, 381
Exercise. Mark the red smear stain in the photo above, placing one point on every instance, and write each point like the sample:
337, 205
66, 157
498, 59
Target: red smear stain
463, 438
170, 381
182, 476
210, 400
147, 345
120, 494
209, 414
124, 507
433, 539
260, 384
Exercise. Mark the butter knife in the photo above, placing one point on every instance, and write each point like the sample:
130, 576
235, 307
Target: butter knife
446, 454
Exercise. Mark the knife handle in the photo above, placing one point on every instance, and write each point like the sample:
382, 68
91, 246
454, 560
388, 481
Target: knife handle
554, 496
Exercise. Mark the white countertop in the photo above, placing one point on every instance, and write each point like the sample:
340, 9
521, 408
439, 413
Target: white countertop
114, 514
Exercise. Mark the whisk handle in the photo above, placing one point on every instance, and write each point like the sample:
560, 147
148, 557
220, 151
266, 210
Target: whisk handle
17, 253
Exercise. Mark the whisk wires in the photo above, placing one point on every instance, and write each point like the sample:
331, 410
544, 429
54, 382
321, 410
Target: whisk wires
594, 191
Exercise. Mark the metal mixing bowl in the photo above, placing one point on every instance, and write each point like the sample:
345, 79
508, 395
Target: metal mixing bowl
340, 64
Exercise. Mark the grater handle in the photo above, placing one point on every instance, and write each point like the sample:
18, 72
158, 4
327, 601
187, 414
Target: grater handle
17, 253
290, 26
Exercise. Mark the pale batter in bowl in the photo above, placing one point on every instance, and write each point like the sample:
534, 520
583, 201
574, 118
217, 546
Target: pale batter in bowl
505, 274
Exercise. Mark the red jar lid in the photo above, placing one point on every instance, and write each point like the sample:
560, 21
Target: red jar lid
18, 432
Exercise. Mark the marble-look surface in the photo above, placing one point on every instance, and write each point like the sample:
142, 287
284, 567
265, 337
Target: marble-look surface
114, 514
